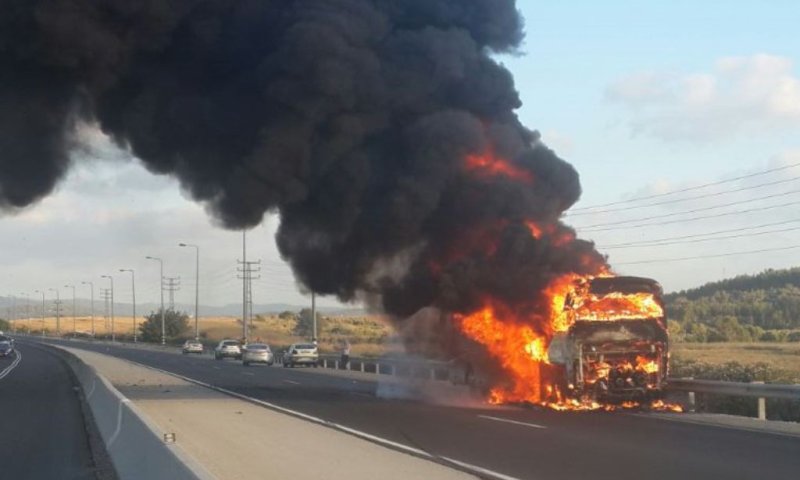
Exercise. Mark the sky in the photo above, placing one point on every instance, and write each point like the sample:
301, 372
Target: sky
645, 99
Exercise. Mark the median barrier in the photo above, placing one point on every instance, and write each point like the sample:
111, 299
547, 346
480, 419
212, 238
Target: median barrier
137, 448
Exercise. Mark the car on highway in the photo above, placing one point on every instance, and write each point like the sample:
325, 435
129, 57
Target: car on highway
192, 346
228, 349
257, 353
301, 354
6, 348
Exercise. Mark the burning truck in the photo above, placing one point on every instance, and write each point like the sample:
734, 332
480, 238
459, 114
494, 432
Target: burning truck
616, 346
600, 340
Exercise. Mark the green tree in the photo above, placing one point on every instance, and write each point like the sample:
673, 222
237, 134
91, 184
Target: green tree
176, 324
304, 323
5, 325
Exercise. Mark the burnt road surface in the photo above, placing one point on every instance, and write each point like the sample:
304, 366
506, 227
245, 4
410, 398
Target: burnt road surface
43, 435
515, 442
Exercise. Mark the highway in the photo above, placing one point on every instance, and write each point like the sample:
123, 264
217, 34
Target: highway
509, 442
41, 420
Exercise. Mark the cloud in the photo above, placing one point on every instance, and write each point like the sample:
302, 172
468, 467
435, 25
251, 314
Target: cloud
741, 95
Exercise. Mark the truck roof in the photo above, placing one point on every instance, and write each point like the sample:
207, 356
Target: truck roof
625, 284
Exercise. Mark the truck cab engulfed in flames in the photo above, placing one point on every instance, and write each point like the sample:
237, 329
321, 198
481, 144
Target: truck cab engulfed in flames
616, 347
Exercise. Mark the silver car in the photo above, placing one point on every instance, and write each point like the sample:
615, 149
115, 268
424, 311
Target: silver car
301, 354
256, 353
192, 346
228, 348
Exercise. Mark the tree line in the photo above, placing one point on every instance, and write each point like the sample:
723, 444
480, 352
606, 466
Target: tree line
761, 307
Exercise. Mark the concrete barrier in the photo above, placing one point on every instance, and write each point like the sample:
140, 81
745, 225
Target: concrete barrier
136, 447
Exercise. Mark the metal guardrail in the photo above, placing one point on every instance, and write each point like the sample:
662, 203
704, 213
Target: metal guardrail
736, 389
758, 390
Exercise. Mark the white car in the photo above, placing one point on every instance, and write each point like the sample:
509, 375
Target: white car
228, 349
192, 346
256, 353
301, 354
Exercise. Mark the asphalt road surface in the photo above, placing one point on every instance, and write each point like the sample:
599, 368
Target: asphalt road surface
515, 442
42, 428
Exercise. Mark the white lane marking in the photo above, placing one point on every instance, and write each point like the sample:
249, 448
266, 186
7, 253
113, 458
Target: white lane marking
91, 390
506, 420
249, 374
292, 382
119, 422
362, 394
8, 369
480, 470
215, 368
337, 426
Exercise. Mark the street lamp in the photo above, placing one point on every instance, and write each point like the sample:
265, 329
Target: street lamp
161, 288
133, 293
196, 286
39, 291
113, 333
58, 310
91, 286
74, 326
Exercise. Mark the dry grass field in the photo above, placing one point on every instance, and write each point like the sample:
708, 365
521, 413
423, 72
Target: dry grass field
784, 356
368, 335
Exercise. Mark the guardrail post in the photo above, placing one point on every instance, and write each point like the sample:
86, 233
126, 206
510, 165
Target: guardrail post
762, 405
362, 366
324, 363
433, 374
377, 368
336, 364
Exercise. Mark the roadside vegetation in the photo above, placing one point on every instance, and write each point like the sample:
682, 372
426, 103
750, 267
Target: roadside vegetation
748, 308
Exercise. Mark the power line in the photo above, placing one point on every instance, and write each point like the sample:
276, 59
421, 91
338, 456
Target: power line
689, 189
702, 257
679, 200
692, 219
696, 210
681, 237
698, 240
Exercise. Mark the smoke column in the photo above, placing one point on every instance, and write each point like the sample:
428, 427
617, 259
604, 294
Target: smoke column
352, 119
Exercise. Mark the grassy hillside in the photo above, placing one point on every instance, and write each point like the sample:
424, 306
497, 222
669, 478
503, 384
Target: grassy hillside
762, 307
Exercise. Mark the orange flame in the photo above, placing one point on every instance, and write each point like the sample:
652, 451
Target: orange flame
491, 165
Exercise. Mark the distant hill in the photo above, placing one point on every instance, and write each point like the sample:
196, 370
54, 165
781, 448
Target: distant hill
770, 278
764, 306
83, 308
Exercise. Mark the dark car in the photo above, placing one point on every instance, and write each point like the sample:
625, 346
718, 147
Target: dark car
6, 348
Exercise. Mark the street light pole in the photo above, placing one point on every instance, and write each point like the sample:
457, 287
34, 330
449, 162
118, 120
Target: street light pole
40, 291
161, 288
74, 324
91, 285
113, 333
196, 287
133, 294
58, 311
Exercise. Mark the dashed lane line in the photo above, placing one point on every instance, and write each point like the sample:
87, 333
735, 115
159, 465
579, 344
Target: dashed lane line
514, 422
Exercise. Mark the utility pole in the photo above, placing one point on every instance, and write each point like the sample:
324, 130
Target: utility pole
133, 295
196, 287
172, 285
105, 293
27, 310
12, 313
74, 323
161, 287
58, 311
111, 280
246, 271
91, 286
42, 292
314, 317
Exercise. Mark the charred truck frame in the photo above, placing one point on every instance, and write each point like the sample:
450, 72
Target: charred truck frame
616, 346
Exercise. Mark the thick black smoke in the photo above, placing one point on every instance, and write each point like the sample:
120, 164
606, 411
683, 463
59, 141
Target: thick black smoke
350, 118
